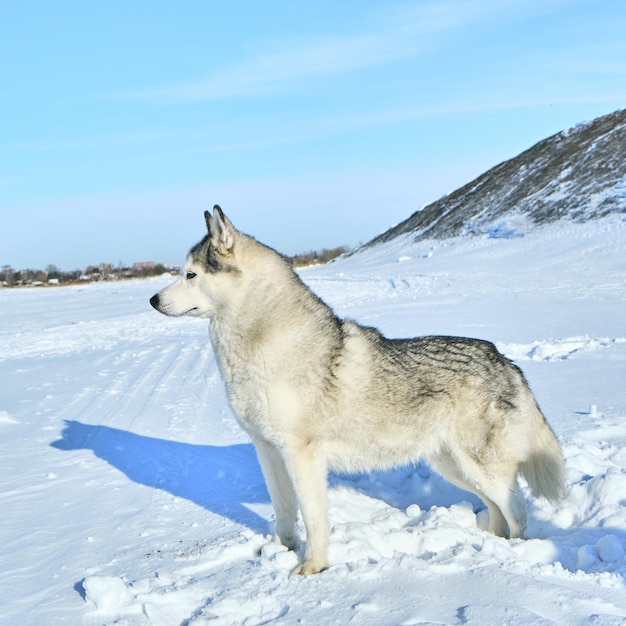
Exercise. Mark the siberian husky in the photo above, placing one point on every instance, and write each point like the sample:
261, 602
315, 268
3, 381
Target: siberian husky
316, 392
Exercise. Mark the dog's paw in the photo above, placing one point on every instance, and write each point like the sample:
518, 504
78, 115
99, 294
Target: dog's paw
309, 567
290, 542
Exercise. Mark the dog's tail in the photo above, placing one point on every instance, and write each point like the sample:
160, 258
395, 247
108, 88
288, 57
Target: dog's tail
544, 469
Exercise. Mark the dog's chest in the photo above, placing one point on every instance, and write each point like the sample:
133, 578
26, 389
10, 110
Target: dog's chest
247, 385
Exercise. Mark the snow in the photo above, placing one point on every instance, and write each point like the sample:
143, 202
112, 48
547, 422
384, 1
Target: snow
130, 496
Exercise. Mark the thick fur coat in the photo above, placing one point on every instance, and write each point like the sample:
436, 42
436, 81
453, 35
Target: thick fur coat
316, 392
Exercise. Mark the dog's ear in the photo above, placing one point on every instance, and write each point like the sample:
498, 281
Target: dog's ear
222, 231
209, 221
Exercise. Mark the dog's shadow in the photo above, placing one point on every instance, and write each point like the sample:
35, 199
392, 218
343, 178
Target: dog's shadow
403, 486
222, 479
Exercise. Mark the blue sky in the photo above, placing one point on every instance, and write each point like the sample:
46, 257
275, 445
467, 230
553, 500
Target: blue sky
311, 124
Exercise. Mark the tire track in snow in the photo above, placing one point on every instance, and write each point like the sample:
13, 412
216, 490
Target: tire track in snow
132, 387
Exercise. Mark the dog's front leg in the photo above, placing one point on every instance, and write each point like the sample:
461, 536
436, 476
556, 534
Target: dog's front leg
281, 492
310, 474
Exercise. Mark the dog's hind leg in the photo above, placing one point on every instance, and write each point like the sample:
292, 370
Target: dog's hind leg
447, 467
495, 480
506, 493
498, 487
505, 503
282, 493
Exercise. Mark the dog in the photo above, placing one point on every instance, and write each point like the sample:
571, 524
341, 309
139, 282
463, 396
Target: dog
318, 393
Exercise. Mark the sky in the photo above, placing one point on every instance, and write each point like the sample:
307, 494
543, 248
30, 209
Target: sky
311, 124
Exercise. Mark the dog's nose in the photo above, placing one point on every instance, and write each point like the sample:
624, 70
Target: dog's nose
154, 301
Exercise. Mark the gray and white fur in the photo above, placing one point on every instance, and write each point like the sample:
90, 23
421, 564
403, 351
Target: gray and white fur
316, 393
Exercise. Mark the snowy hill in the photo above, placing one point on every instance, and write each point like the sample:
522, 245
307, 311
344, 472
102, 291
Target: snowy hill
131, 496
577, 174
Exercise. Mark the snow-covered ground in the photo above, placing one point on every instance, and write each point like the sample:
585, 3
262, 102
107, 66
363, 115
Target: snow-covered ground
130, 496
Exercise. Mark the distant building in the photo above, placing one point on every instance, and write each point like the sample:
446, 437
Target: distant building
144, 265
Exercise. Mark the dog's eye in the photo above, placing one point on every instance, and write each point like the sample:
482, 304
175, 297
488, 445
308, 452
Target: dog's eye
190, 275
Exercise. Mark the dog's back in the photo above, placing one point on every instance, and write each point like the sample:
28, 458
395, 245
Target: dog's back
400, 399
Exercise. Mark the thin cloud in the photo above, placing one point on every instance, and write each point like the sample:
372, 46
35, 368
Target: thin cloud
401, 33
274, 72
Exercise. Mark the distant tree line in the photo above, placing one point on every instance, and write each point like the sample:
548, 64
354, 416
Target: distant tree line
315, 257
52, 275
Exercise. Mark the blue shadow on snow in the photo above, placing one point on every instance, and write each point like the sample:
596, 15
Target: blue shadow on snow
223, 478
218, 478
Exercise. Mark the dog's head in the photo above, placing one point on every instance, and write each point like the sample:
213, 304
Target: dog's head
208, 276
